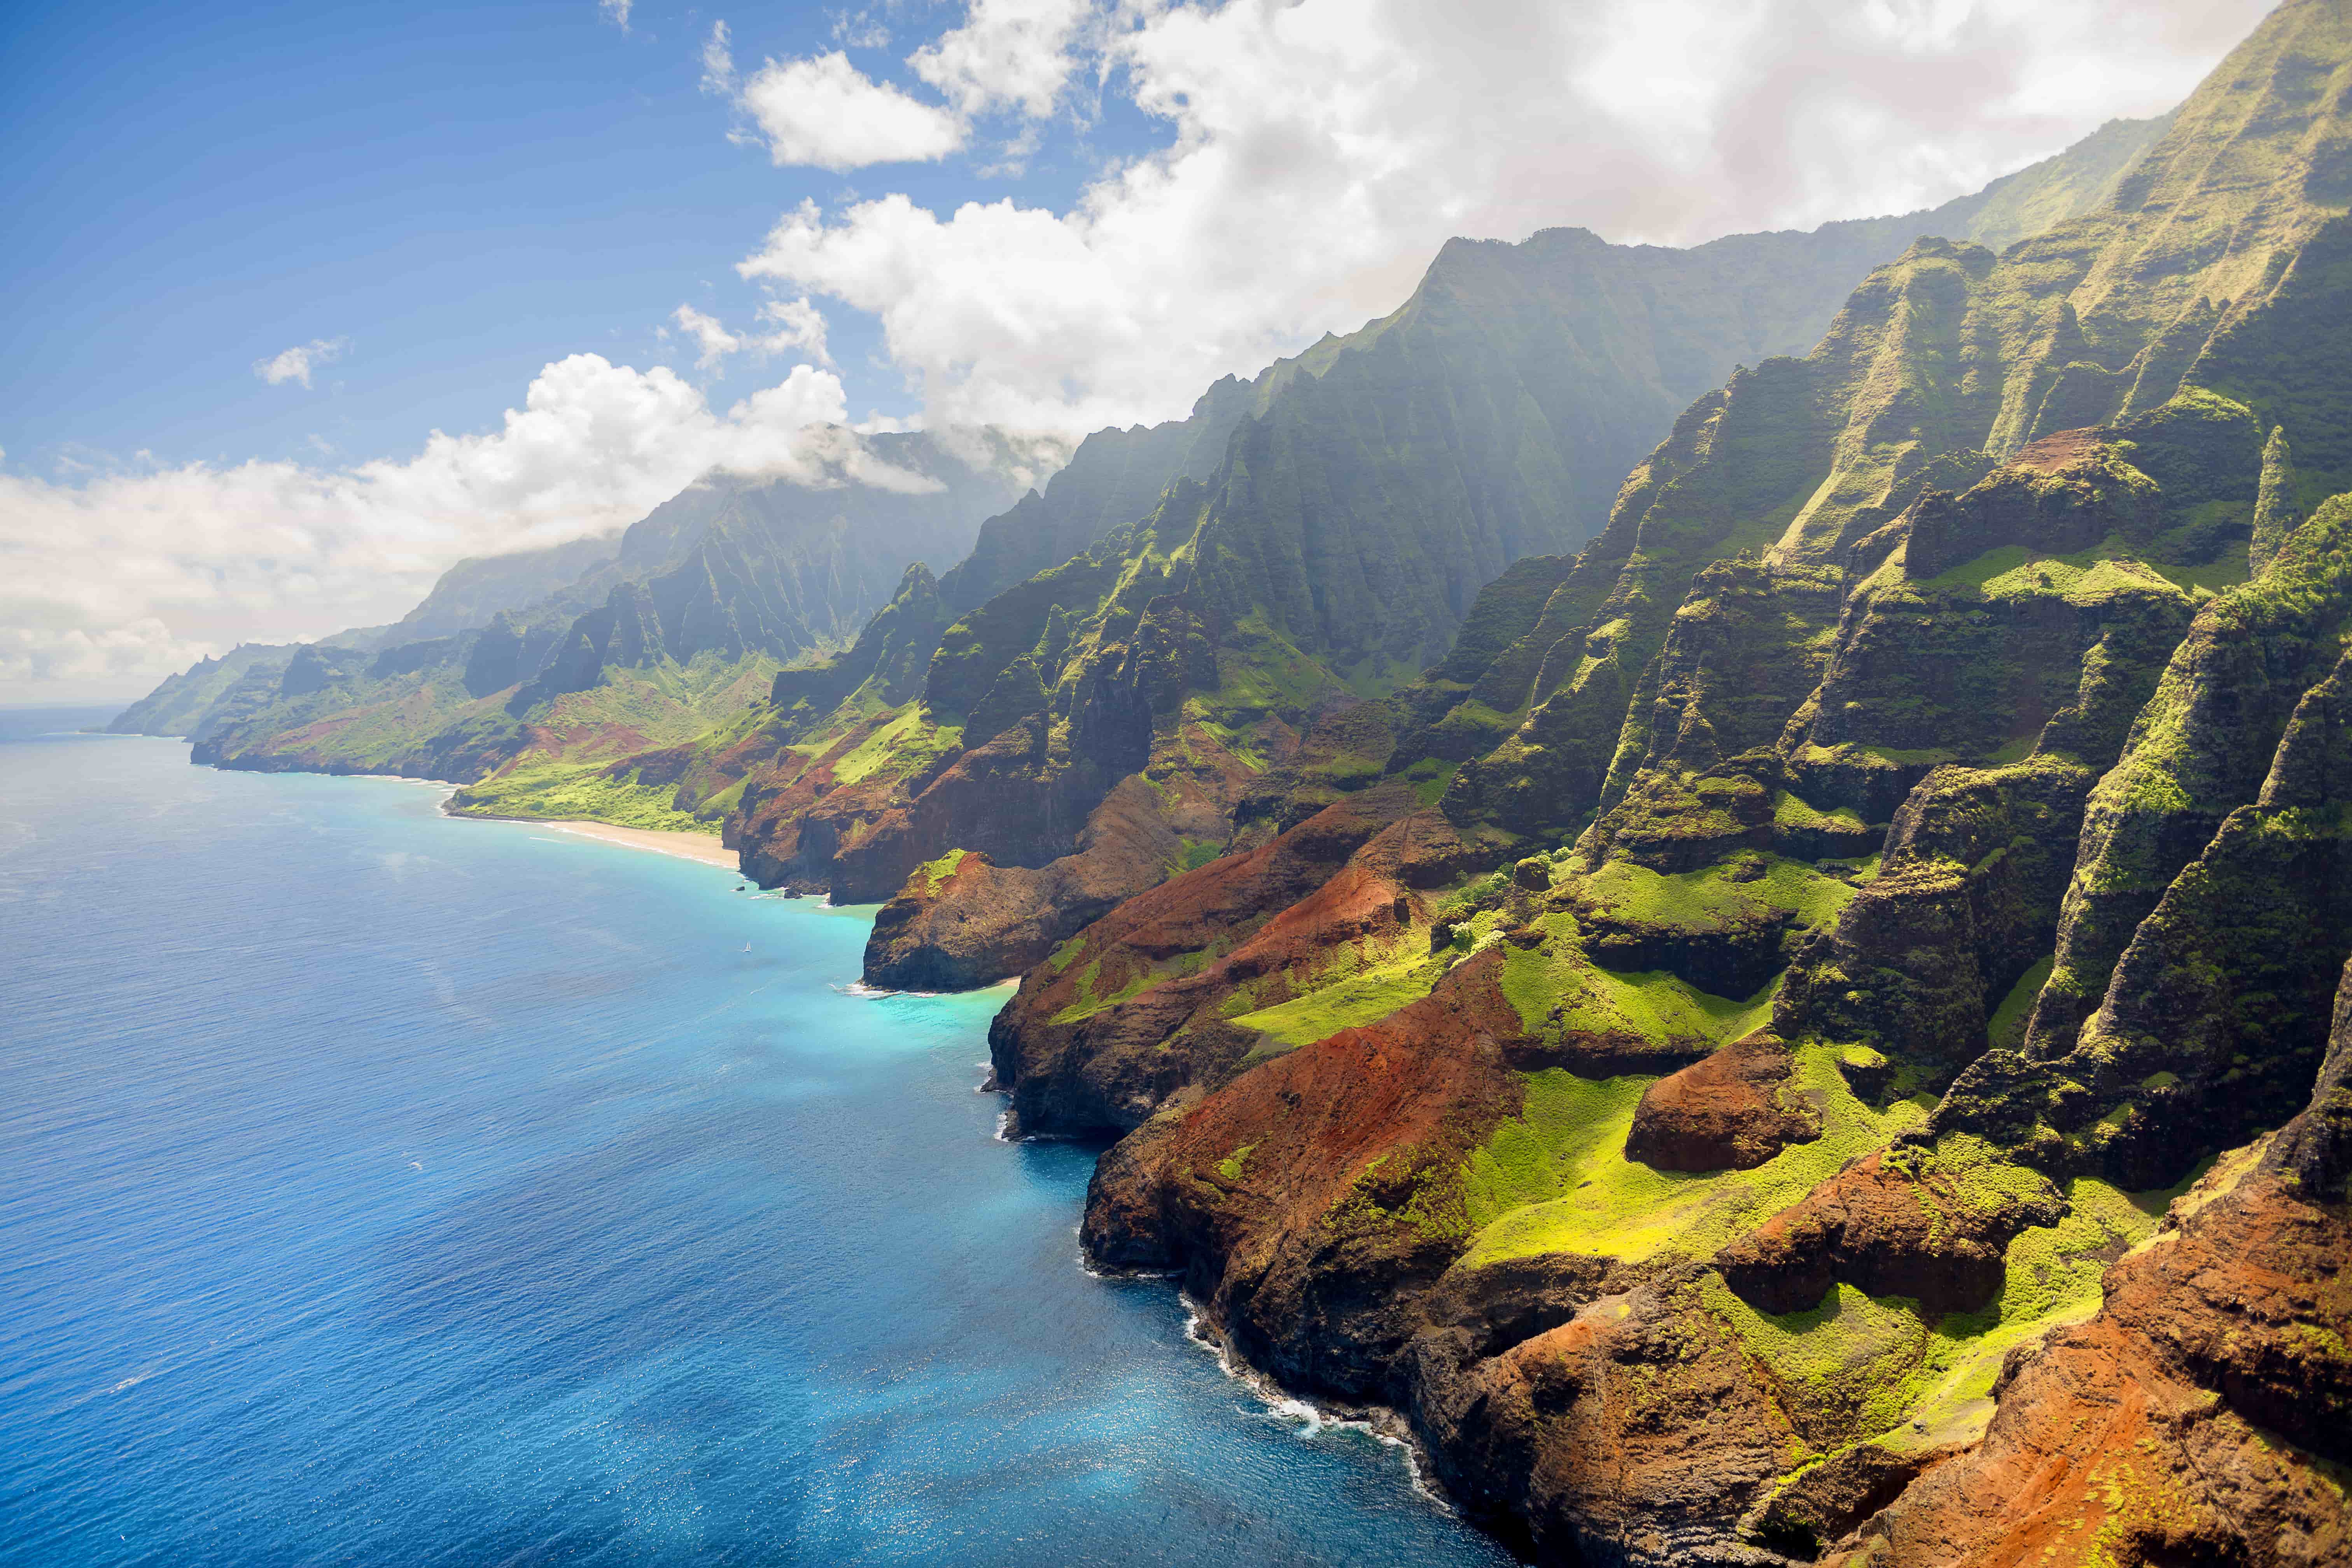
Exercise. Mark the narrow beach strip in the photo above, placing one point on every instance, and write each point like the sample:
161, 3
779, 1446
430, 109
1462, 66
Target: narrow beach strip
702, 846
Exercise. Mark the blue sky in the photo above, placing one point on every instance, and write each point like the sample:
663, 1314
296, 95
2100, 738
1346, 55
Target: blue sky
553, 259
465, 193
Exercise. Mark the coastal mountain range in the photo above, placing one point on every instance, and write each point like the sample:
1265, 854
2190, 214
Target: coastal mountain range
1716, 875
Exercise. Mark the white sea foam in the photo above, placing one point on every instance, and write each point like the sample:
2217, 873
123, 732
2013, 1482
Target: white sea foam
859, 989
1312, 1419
1091, 1272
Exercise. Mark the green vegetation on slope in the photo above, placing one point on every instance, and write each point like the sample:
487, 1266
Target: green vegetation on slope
554, 791
1556, 1179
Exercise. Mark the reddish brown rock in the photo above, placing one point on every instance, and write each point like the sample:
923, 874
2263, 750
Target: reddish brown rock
1895, 1223
1349, 875
1729, 1111
2170, 1429
1308, 1201
985, 921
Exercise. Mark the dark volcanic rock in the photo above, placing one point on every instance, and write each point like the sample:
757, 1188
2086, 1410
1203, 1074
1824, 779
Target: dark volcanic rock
1629, 1433
1829, 1500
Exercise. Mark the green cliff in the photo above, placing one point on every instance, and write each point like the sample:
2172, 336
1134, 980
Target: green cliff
546, 668
1812, 1030
1365, 493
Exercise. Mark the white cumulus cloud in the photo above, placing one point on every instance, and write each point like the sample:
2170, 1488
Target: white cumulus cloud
618, 10
297, 363
800, 328
826, 113
1313, 156
1012, 52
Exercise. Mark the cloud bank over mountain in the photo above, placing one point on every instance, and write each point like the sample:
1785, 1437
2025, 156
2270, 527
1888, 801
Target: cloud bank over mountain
1317, 155
1310, 159
127, 572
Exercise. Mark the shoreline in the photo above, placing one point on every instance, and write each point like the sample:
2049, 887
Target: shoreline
1309, 1415
702, 847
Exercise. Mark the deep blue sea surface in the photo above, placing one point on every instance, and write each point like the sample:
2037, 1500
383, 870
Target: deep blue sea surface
380, 1188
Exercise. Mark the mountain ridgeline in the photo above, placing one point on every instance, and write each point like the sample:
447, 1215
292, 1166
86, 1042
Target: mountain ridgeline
1329, 529
545, 663
1717, 875
541, 678
1817, 1031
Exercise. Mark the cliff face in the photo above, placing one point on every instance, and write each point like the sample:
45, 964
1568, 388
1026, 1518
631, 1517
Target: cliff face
1494, 414
1816, 1030
1717, 874
472, 591
186, 703
1323, 534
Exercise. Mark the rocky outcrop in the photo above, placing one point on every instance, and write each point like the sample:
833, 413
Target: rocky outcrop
2179, 1425
973, 921
1140, 1005
1309, 1202
1899, 1223
1629, 1433
1729, 1111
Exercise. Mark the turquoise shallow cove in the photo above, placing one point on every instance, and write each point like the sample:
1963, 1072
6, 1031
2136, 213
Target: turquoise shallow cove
378, 1188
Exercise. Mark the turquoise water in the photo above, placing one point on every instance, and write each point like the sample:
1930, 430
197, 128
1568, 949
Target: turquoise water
379, 1188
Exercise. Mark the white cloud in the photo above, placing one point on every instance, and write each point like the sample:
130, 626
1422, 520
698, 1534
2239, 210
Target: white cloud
713, 341
859, 30
1008, 52
800, 328
1318, 153
297, 363
826, 112
718, 62
618, 10
823, 112
129, 573
1316, 156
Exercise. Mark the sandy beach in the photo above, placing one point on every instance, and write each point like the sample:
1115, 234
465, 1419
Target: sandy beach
702, 846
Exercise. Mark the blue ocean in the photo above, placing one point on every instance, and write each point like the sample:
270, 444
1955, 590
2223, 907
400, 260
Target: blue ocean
381, 1189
